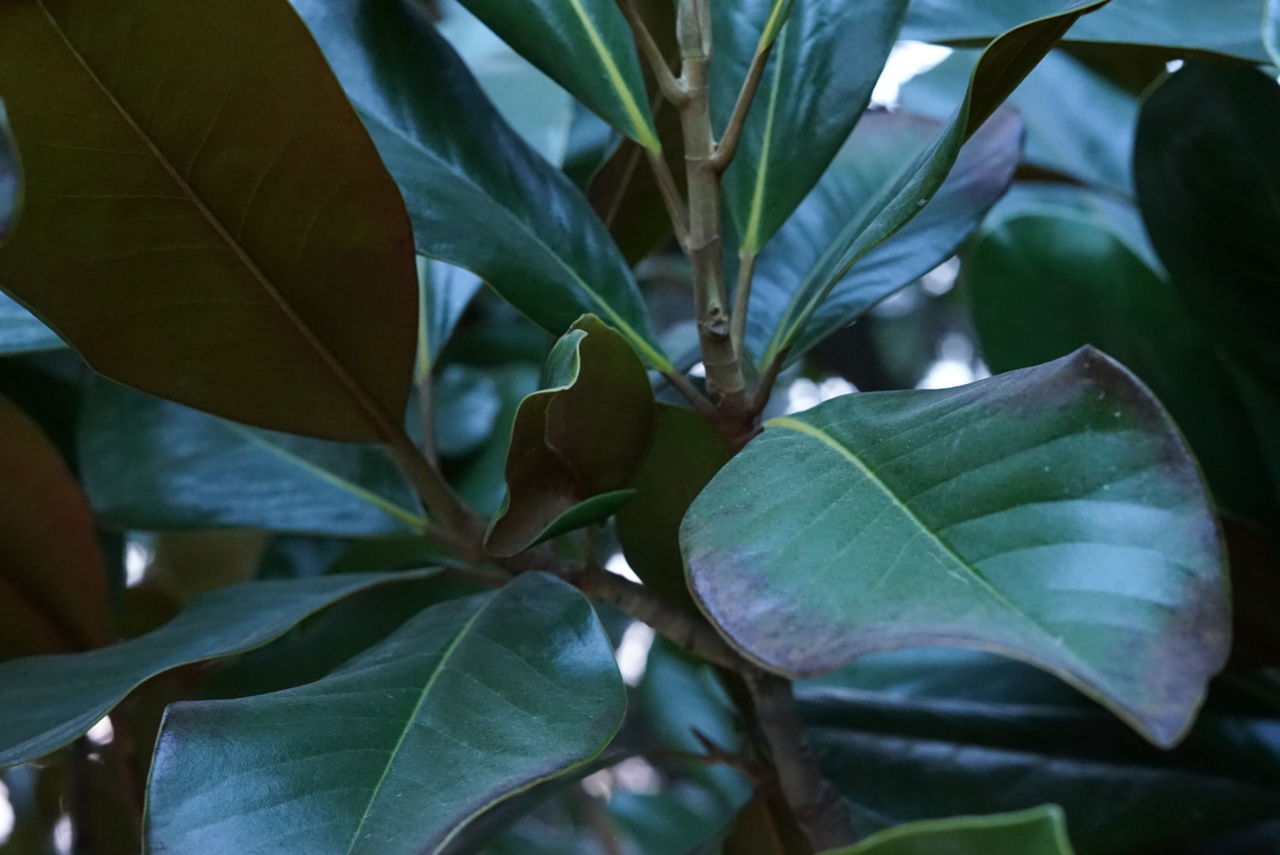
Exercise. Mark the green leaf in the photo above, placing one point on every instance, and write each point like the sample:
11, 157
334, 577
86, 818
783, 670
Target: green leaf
464, 706
48, 701
53, 592
444, 292
10, 177
1271, 30
1200, 25
586, 47
1043, 286
467, 409
683, 455
1051, 514
480, 479
22, 332
926, 734
818, 81
153, 465
877, 151
575, 444
205, 218
1038, 831
999, 71
479, 197
1207, 166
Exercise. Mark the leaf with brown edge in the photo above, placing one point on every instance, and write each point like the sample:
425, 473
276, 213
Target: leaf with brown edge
53, 594
205, 217
1052, 515
576, 442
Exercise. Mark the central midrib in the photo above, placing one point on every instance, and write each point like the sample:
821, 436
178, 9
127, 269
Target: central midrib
377, 418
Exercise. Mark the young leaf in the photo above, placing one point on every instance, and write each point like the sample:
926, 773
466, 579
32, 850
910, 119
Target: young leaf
882, 144
1207, 166
53, 582
1209, 26
10, 177
586, 47
48, 701
825, 62
1002, 67
479, 197
205, 218
1043, 286
1038, 831
464, 706
1051, 514
153, 465
575, 444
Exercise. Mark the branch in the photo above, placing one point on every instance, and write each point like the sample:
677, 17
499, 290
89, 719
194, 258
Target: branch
670, 198
671, 88
699, 401
815, 805
728, 146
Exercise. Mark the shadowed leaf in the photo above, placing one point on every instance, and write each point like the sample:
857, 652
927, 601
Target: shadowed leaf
1038, 831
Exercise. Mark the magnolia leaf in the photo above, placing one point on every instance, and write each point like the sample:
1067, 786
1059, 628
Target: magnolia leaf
1038, 831
1052, 514
576, 442
10, 177
467, 704
48, 701
205, 218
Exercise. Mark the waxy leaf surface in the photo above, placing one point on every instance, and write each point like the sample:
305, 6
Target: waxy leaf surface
48, 701
465, 705
204, 218
479, 196
1051, 514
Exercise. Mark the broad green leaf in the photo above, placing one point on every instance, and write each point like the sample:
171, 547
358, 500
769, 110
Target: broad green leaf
825, 62
152, 465
479, 197
480, 479
1271, 30
53, 581
683, 455
1038, 831
22, 332
927, 734
1228, 27
1207, 166
10, 177
576, 442
877, 151
1001, 68
586, 47
1043, 286
464, 706
205, 219
444, 292
1078, 122
1052, 514
48, 701
467, 407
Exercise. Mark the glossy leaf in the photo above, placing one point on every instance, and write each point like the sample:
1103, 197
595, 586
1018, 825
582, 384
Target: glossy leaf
999, 71
205, 219
586, 47
1271, 30
467, 409
1038, 831
22, 332
1051, 514
465, 705
10, 177
48, 701
479, 197
445, 292
53, 582
683, 455
826, 59
575, 444
881, 146
1213, 26
1207, 166
480, 479
1043, 286
927, 734
153, 465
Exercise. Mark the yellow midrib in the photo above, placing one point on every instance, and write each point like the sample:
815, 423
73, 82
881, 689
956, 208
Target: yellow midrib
640, 125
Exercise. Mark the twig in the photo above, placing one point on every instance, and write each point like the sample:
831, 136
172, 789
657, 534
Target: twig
728, 146
670, 198
815, 805
742, 301
671, 88
765, 388
699, 401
